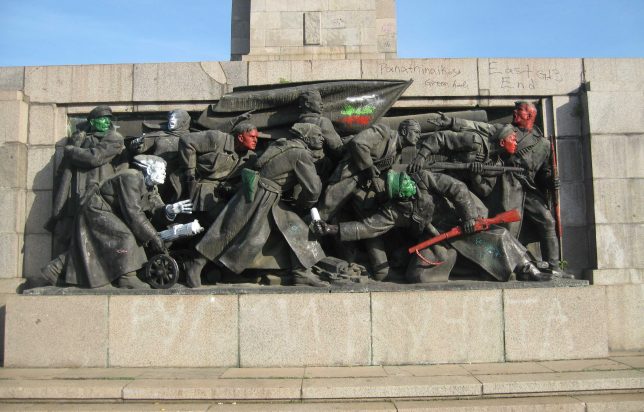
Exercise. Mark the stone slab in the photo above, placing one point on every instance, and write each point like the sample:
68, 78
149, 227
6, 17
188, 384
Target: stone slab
107, 406
69, 84
529, 77
62, 389
390, 387
618, 200
13, 165
632, 361
268, 72
11, 255
607, 112
573, 203
239, 389
264, 373
182, 373
615, 245
37, 253
12, 201
437, 327
344, 372
625, 308
561, 382
304, 407
170, 331
559, 404
549, 324
616, 276
42, 124
38, 211
568, 112
505, 368
617, 155
626, 402
186, 81
304, 330
583, 365
425, 370
14, 116
12, 78
40, 167
611, 75
56, 331
432, 77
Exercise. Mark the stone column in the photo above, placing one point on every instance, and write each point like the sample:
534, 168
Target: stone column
615, 127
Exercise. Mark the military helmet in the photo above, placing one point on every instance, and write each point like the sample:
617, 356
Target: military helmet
100, 111
400, 185
504, 132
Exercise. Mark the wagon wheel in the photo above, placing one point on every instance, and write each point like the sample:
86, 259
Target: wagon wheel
162, 272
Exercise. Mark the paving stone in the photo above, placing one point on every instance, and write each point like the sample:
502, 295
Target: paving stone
96, 83
208, 339
632, 361
504, 368
627, 402
100, 373
582, 365
312, 406
240, 389
56, 331
62, 389
625, 306
555, 323
344, 372
268, 323
562, 404
437, 327
529, 77
182, 373
264, 373
561, 382
135, 406
432, 77
614, 74
426, 370
390, 387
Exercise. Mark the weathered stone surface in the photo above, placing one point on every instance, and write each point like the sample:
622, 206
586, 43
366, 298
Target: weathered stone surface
69, 84
584, 365
62, 389
437, 327
390, 387
312, 26
613, 200
625, 306
611, 75
615, 245
12, 78
182, 373
242, 389
622, 402
37, 252
635, 360
10, 255
608, 112
573, 203
12, 201
298, 71
505, 368
559, 404
56, 331
173, 331
545, 324
616, 276
13, 165
426, 370
40, 167
529, 77
432, 77
331, 329
264, 373
561, 382
617, 156
38, 210
571, 159
14, 116
47, 124
182, 81
344, 372
568, 112
577, 249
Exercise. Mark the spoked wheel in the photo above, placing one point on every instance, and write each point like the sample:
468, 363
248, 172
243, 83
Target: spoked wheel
162, 272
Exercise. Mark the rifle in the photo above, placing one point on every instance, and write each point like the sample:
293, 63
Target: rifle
438, 166
480, 225
556, 194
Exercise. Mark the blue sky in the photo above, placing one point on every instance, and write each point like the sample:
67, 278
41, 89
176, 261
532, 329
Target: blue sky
44, 32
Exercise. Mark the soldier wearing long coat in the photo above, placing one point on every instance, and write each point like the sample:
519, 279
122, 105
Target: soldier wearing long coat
248, 231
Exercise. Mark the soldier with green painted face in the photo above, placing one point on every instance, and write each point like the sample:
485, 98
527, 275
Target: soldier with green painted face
90, 156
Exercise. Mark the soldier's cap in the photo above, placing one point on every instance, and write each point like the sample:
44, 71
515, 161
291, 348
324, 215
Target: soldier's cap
100, 111
305, 130
504, 132
310, 94
400, 185
144, 161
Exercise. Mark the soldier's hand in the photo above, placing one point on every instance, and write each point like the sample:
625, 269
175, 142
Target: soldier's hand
476, 167
135, 144
416, 165
183, 206
378, 185
442, 122
469, 226
157, 246
555, 184
480, 157
321, 228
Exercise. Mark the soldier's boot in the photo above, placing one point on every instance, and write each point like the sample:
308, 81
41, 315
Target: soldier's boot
194, 267
550, 255
131, 281
306, 277
50, 274
526, 271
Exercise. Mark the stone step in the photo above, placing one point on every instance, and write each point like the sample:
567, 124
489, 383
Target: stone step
197, 385
579, 403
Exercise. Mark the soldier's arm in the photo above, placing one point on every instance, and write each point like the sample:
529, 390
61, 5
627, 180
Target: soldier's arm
194, 144
360, 148
332, 139
129, 188
447, 141
455, 191
372, 226
308, 178
107, 149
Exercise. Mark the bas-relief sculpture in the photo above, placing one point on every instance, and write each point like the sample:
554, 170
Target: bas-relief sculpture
308, 183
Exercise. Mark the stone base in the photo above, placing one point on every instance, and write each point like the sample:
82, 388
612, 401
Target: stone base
296, 326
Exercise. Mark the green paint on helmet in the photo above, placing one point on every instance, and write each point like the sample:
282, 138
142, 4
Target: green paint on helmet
102, 124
